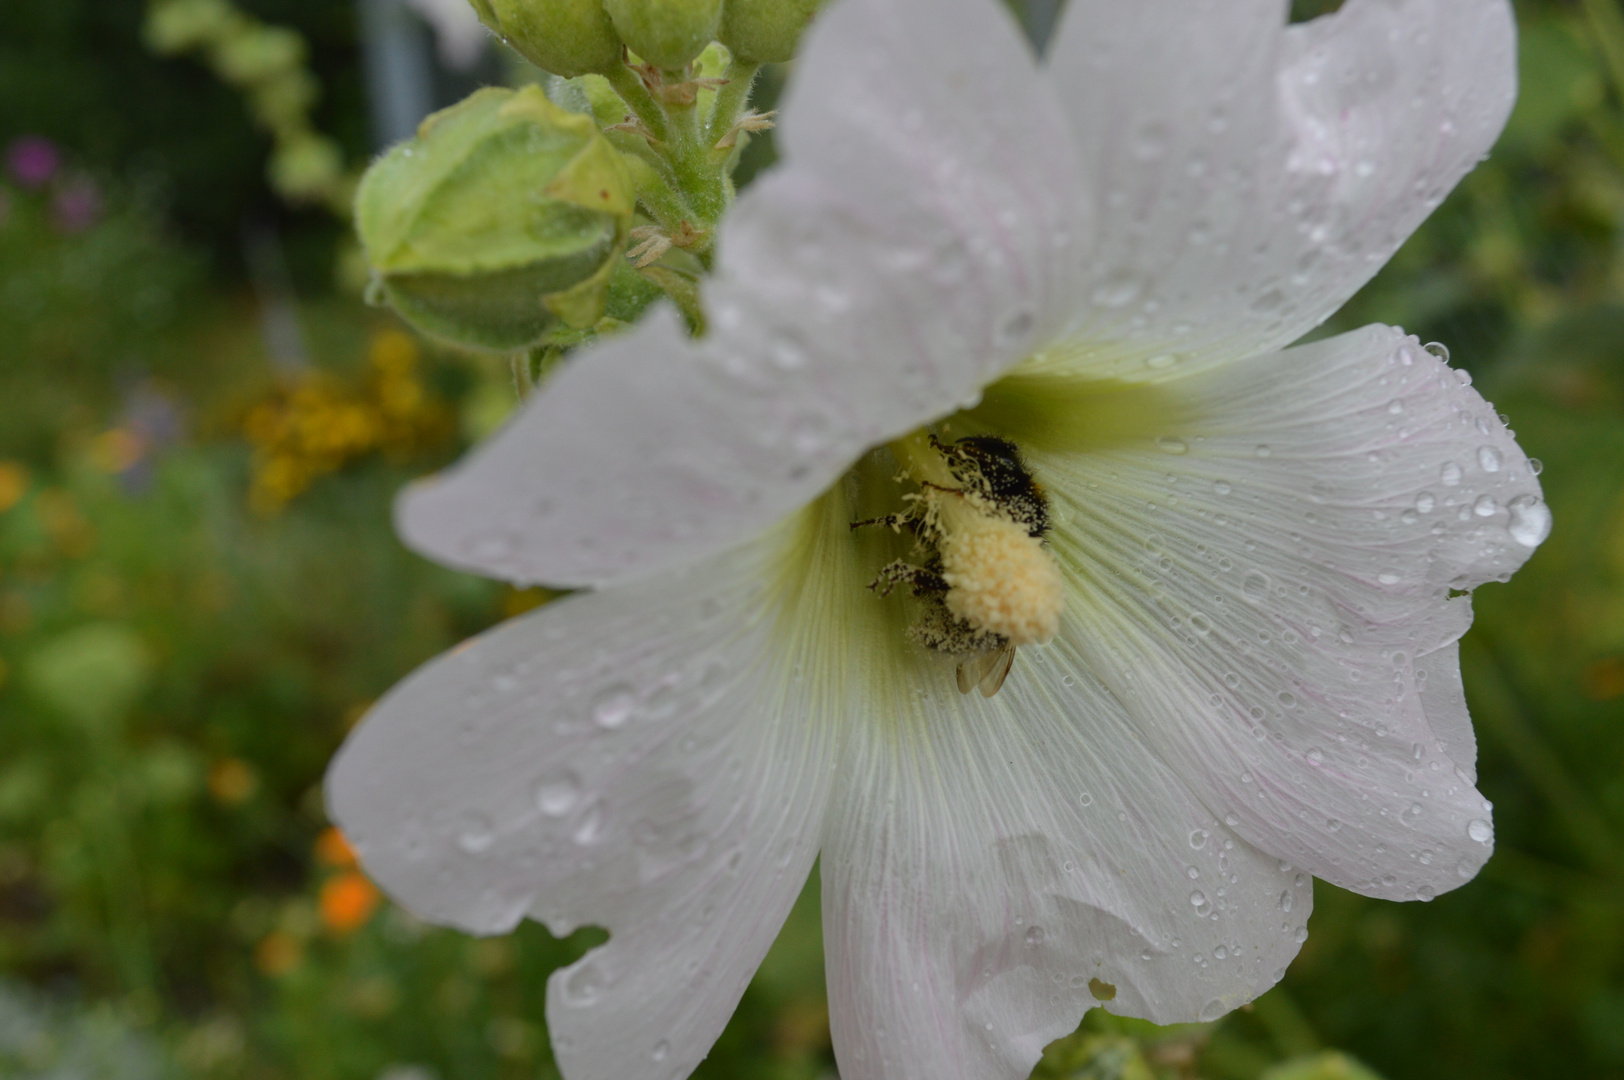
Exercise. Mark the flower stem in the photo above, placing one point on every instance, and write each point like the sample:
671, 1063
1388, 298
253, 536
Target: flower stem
731, 100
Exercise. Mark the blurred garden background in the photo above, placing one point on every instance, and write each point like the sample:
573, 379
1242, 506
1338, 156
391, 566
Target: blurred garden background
202, 426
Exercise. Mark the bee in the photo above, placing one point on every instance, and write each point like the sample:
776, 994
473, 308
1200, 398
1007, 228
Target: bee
994, 480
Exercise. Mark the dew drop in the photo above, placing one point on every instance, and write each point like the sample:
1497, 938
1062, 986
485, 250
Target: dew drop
1255, 586
1162, 361
1438, 349
1198, 898
1285, 900
1034, 936
1118, 290
1220, 953
557, 793
475, 834
1425, 502
661, 1051
1221, 487
1263, 451
584, 985
1211, 1011
1450, 474
1480, 830
1489, 458
1485, 506
1198, 839
613, 707
1530, 520
1425, 892
590, 828
1169, 445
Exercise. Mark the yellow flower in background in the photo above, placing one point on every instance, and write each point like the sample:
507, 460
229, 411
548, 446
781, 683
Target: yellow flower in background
320, 424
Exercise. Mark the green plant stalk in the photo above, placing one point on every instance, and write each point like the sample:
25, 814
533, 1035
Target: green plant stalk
1607, 23
1496, 706
732, 99
629, 86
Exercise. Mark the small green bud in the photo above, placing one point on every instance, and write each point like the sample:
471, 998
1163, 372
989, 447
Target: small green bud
565, 37
306, 167
257, 53
666, 33
504, 216
178, 25
766, 31
1327, 1065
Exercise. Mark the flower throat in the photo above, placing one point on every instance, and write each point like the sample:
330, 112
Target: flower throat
984, 580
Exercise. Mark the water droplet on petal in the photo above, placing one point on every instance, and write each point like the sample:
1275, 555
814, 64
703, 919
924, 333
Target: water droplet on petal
1450, 474
1489, 458
661, 1051
557, 793
584, 985
1480, 830
1211, 1011
1485, 506
475, 833
1198, 898
1438, 349
1034, 936
1118, 290
613, 707
1169, 445
1530, 520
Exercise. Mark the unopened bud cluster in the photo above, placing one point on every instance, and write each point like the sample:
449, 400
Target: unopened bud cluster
582, 37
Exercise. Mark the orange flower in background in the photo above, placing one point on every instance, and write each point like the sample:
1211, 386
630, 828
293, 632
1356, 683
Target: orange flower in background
347, 902
279, 953
13, 484
232, 781
333, 850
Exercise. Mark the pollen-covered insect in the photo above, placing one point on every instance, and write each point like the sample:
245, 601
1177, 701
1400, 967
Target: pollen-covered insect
984, 580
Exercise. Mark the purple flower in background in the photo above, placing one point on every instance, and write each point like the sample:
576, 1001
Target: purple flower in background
33, 160
77, 206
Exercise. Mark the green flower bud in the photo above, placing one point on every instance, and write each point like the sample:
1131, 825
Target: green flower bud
765, 31
565, 37
666, 33
258, 53
178, 25
504, 216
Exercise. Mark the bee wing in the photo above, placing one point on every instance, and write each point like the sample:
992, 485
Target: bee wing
986, 670
997, 670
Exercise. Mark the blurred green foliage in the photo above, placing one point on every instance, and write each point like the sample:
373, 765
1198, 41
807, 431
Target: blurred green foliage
176, 665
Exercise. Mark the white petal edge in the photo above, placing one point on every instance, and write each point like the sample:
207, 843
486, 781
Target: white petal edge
874, 281
1250, 177
994, 868
1266, 588
635, 759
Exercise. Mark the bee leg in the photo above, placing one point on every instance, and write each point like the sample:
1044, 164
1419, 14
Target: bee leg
922, 581
894, 522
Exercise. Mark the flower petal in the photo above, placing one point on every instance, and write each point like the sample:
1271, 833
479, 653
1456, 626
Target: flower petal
1249, 176
875, 281
1266, 587
636, 759
994, 868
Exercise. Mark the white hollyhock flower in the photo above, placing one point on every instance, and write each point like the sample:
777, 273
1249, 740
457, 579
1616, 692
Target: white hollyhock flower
1258, 551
